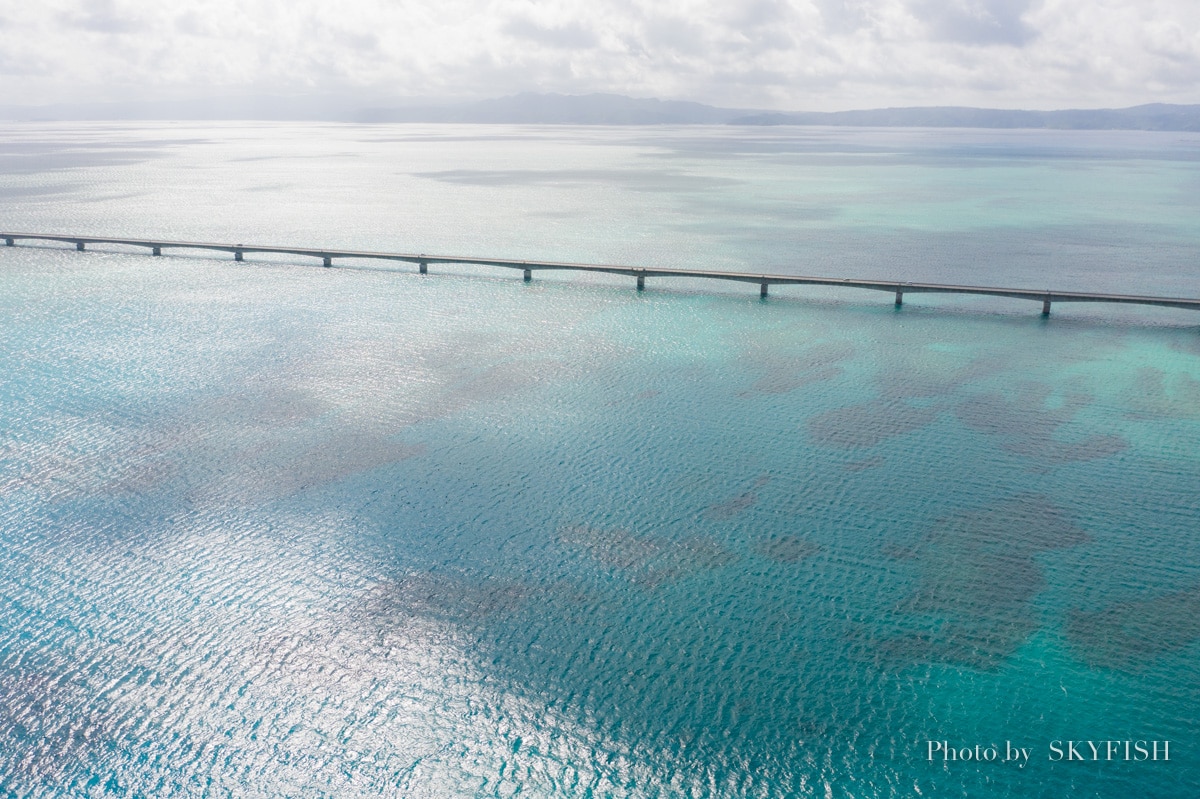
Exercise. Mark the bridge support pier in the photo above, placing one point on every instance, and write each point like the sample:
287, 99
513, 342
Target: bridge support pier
641, 283
9, 243
423, 267
327, 261
899, 298
1046, 307
79, 245
237, 255
762, 290
156, 251
528, 275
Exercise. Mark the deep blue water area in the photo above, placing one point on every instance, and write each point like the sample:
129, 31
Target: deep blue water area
275, 530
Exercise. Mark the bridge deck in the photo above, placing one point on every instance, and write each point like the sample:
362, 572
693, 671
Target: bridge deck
1044, 296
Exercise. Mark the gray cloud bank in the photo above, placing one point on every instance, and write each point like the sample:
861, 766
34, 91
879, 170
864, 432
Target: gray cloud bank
768, 54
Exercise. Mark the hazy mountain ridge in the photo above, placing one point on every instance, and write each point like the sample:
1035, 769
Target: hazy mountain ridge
1154, 116
609, 109
564, 109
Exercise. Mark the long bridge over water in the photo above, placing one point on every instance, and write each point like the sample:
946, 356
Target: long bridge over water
640, 273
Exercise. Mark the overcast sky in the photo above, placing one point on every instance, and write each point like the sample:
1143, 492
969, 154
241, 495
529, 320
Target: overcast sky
782, 54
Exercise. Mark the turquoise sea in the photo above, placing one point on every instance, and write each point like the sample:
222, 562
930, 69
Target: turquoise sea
273, 530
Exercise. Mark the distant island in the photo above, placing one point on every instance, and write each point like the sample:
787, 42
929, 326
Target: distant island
1155, 116
613, 109
609, 109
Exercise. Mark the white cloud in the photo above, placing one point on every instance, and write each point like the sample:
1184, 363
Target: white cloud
980, 22
790, 54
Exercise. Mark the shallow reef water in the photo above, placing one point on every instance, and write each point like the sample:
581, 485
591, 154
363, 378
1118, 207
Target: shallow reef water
275, 530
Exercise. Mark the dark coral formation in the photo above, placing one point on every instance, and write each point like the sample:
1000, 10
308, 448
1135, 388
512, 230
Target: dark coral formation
978, 575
